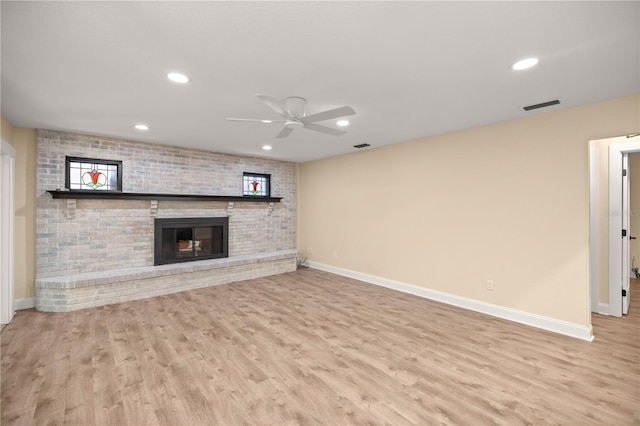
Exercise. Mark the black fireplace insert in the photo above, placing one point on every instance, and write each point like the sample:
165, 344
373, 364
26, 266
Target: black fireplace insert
188, 239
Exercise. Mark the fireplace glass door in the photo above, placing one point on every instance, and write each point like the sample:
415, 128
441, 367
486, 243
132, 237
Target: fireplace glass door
182, 240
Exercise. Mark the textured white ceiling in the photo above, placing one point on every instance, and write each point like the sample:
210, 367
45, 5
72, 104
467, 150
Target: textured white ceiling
409, 69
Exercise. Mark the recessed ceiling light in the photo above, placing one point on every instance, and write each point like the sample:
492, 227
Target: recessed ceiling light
141, 127
267, 121
343, 123
177, 77
524, 64
266, 147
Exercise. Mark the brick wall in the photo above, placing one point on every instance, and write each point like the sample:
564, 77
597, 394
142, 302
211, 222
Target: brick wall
101, 235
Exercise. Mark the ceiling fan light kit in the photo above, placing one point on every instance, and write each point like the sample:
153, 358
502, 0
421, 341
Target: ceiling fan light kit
294, 124
293, 110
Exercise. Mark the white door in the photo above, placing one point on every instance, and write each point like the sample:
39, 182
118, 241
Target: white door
626, 233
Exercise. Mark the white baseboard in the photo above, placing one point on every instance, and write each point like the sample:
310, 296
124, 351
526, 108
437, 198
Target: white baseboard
26, 303
603, 308
550, 324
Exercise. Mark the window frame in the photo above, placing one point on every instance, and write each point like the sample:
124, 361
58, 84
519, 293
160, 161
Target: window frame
265, 176
67, 172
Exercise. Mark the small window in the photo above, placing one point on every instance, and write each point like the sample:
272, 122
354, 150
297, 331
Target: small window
87, 174
256, 185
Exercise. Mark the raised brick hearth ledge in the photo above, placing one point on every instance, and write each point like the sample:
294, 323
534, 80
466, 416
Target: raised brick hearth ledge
73, 292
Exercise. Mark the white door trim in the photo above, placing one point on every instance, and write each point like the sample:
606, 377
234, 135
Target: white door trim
616, 151
594, 223
7, 231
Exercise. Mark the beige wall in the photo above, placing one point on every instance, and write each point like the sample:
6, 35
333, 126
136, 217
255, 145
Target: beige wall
6, 130
25, 143
506, 202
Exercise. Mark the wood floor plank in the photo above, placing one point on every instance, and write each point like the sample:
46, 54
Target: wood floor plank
311, 348
28, 366
78, 407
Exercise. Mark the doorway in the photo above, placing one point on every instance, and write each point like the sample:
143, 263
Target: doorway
629, 212
611, 222
634, 213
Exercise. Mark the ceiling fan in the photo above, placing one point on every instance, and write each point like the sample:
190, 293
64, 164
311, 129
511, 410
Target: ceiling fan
292, 109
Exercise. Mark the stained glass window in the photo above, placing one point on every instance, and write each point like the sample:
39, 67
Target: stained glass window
91, 174
256, 185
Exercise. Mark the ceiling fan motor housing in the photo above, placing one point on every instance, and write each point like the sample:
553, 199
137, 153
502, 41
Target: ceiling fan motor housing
295, 106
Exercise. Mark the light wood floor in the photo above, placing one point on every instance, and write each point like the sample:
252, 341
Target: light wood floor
311, 348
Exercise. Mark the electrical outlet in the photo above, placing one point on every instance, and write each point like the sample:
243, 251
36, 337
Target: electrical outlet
310, 250
335, 254
490, 285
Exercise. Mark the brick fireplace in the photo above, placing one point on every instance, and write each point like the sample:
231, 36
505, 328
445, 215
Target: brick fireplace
95, 252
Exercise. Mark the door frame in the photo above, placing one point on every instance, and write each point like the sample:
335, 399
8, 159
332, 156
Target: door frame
7, 231
616, 153
594, 227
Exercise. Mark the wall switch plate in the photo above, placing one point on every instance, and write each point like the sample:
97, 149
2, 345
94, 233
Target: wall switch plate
490, 285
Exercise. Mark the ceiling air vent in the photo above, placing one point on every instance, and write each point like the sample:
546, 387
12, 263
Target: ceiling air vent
362, 145
542, 105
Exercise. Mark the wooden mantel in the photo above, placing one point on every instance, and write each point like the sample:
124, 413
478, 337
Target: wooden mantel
104, 195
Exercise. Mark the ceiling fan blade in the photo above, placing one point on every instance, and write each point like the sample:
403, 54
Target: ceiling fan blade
328, 115
257, 120
275, 105
284, 132
324, 129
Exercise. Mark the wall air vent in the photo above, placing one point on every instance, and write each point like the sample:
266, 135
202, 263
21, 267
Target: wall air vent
362, 145
542, 105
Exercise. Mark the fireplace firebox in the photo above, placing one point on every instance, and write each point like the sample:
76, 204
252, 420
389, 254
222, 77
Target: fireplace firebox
188, 239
